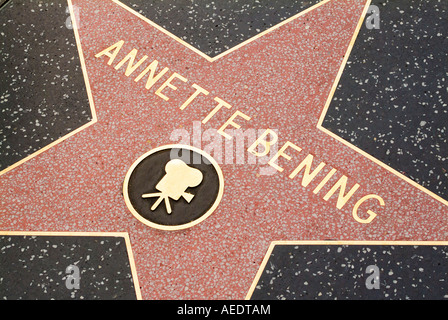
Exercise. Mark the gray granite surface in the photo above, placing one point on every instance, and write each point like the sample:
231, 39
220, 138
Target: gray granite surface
392, 99
340, 272
37, 268
43, 95
216, 26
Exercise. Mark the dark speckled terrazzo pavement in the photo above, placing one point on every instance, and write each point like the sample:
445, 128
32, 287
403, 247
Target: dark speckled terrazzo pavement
392, 99
216, 26
39, 268
42, 91
346, 272
280, 80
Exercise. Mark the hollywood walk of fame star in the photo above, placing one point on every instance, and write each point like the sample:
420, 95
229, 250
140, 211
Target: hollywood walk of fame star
282, 80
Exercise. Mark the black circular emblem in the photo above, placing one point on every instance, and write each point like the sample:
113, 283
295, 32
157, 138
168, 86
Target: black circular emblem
173, 187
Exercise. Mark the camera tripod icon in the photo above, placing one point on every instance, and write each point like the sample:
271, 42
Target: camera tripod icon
178, 178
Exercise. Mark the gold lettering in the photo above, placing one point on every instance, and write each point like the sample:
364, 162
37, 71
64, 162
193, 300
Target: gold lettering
151, 78
231, 122
341, 184
307, 175
131, 67
106, 52
266, 144
168, 83
324, 181
372, 215
198, 91
281, 153
221, 103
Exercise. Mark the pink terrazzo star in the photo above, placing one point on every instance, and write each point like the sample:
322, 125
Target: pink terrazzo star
281, 81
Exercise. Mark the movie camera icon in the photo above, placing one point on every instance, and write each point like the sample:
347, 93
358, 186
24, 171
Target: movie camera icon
178, 178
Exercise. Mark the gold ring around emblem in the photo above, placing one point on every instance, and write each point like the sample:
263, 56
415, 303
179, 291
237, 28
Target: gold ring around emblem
182, 226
